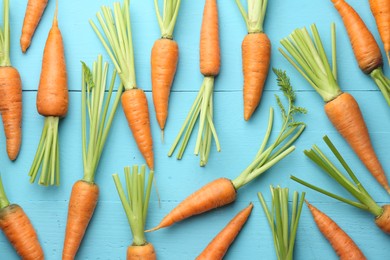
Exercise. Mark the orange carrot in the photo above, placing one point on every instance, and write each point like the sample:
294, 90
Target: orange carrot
34, 12
381, 11
343, 245
18, 229
10, 92
145, 252
221, 243
383, 220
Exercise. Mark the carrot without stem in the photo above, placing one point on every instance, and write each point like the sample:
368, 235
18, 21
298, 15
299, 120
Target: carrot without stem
218, 247
135, 204
354, 187
222, 191
95, 108
116, 38
164, 58
256, 54
309, 58
34, 12
18, 229
10, 91
342, 244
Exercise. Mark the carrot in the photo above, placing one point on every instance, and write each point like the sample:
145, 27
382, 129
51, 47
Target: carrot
136, 205
342, 244
85, 192
119, 46
202, 108
52, 103
34, 12
222, 191
18, 229
256, 55
365, 48
164, 58
341, 108
352, 185
381, 11
218, 247
10, 92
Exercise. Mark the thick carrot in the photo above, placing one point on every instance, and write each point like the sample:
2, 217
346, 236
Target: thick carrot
383, 220
381, 11
82, 203
145, 252
344, 246
34, 12
218, 247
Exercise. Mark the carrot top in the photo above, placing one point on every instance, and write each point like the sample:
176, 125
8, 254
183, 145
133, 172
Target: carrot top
283, 234
136, 202
5, 37
168, 21
4, 202
309, 58
354, 187
290, 131
254, 19
95, 107
118, 40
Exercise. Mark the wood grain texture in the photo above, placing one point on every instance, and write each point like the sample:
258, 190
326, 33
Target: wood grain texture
109, 235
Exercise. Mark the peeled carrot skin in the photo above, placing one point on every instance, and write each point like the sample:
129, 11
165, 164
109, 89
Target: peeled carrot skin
20, 232
145, 252
210, 57
135, 107
11, 109
82, 203
383, 221
381, 11
34, 11
345, 115
256, 56
164, 58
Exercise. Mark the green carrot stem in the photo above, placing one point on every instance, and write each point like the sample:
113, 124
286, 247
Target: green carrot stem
254, 18
4, 202
5, 37
382, 82
168, 21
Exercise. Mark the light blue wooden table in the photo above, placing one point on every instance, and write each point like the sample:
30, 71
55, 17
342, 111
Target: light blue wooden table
108, 234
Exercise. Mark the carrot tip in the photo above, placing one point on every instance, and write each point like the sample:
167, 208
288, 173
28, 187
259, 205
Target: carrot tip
162, 136
152, 229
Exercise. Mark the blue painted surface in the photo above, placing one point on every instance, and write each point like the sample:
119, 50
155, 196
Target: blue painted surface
108, 234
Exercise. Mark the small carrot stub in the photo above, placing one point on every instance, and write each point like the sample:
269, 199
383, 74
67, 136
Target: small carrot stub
344, 246
345, 115
383, 221
135, 107
220, 244
381, 11
20, 232
210, 59
256, 56
165, 55
82, 203
145, 252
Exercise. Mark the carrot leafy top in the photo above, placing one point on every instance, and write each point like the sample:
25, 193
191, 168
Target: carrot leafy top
117, 40
4, 37
354, 187
136, 202
309, 58
254, 19
4, 202
96, 107
283, 230
168, 21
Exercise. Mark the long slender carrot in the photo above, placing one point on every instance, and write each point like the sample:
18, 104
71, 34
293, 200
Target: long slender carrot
85, 192
381, 11
34, 12
256, 55
164, 58
10, 92
342, 244
118, 43
218, 247
309, 58
18, 229
365, 48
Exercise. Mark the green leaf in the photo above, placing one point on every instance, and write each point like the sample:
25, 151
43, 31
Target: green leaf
88, 77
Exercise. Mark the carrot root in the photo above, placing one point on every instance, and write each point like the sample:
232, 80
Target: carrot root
383, 221
145, 252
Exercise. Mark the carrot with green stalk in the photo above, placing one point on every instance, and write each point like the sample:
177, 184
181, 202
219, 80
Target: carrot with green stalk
283, 229
309, 58
96, 109
136, 205
223, 191
164, 58
353, 186
116, 37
